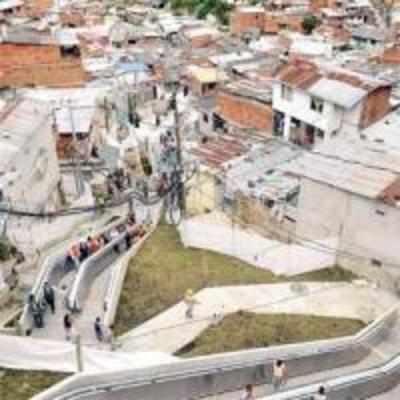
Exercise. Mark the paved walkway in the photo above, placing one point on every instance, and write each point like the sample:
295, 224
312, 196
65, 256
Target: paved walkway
93, 304
380, 354
170, 331
83, 322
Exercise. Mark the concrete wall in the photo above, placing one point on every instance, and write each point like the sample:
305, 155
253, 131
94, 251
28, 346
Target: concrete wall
372, 229
321, 210
351, 119
245, 112
202, 195
364, 234
37, 167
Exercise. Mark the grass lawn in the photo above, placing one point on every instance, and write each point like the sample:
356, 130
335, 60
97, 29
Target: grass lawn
245, 330
163, 270
23, 385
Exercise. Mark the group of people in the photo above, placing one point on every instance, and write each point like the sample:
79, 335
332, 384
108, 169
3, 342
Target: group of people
102, 332
279, 380
117, 182
37, 308
79, 252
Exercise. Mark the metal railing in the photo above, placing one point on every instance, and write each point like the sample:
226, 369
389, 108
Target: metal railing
205, 376
91, 268
53, 270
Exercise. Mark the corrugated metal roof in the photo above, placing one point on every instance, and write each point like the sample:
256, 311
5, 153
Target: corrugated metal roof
256, 172
24, 36
251, 89
337, 92
344, 164
368, 33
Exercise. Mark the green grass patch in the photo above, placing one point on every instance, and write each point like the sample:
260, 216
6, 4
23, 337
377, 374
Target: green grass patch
23, 385
164, 269
245, 330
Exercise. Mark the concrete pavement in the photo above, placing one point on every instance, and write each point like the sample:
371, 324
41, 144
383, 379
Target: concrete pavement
170, 331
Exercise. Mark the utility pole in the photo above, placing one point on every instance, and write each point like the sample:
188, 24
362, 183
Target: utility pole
78, 353
181, 184
77, 161
3, 215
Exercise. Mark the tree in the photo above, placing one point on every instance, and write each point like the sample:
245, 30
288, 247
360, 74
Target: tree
309, 23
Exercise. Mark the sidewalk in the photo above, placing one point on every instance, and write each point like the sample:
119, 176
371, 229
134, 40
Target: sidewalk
170, 331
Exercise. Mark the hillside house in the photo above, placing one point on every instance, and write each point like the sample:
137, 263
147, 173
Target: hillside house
313, 104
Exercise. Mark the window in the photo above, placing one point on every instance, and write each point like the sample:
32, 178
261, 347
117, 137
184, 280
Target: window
286, 93
317, 104
320, 133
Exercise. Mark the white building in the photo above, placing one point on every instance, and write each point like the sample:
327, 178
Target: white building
312, 104
350, 193
29, 171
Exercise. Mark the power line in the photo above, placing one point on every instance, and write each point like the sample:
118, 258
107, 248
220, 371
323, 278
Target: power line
79, 210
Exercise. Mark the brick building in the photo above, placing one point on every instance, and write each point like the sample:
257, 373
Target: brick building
313, 104
199, 37
246, 104
275, 22
245, 18
33, 59
391, 55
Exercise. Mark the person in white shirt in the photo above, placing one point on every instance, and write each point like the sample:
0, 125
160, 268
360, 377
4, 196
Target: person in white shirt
279, 374
247, 393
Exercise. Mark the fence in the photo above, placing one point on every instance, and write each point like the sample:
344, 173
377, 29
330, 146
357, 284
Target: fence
118, 274
205, 376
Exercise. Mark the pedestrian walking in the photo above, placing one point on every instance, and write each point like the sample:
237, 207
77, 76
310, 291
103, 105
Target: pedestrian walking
279, 378
321, 394
68, 327
98, 329
190, 302
36, 311
248, 393
109, 336
49, 297
128, 239
13, 279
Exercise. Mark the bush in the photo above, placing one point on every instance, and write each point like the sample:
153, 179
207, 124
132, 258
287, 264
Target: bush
309, 23
5, 250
